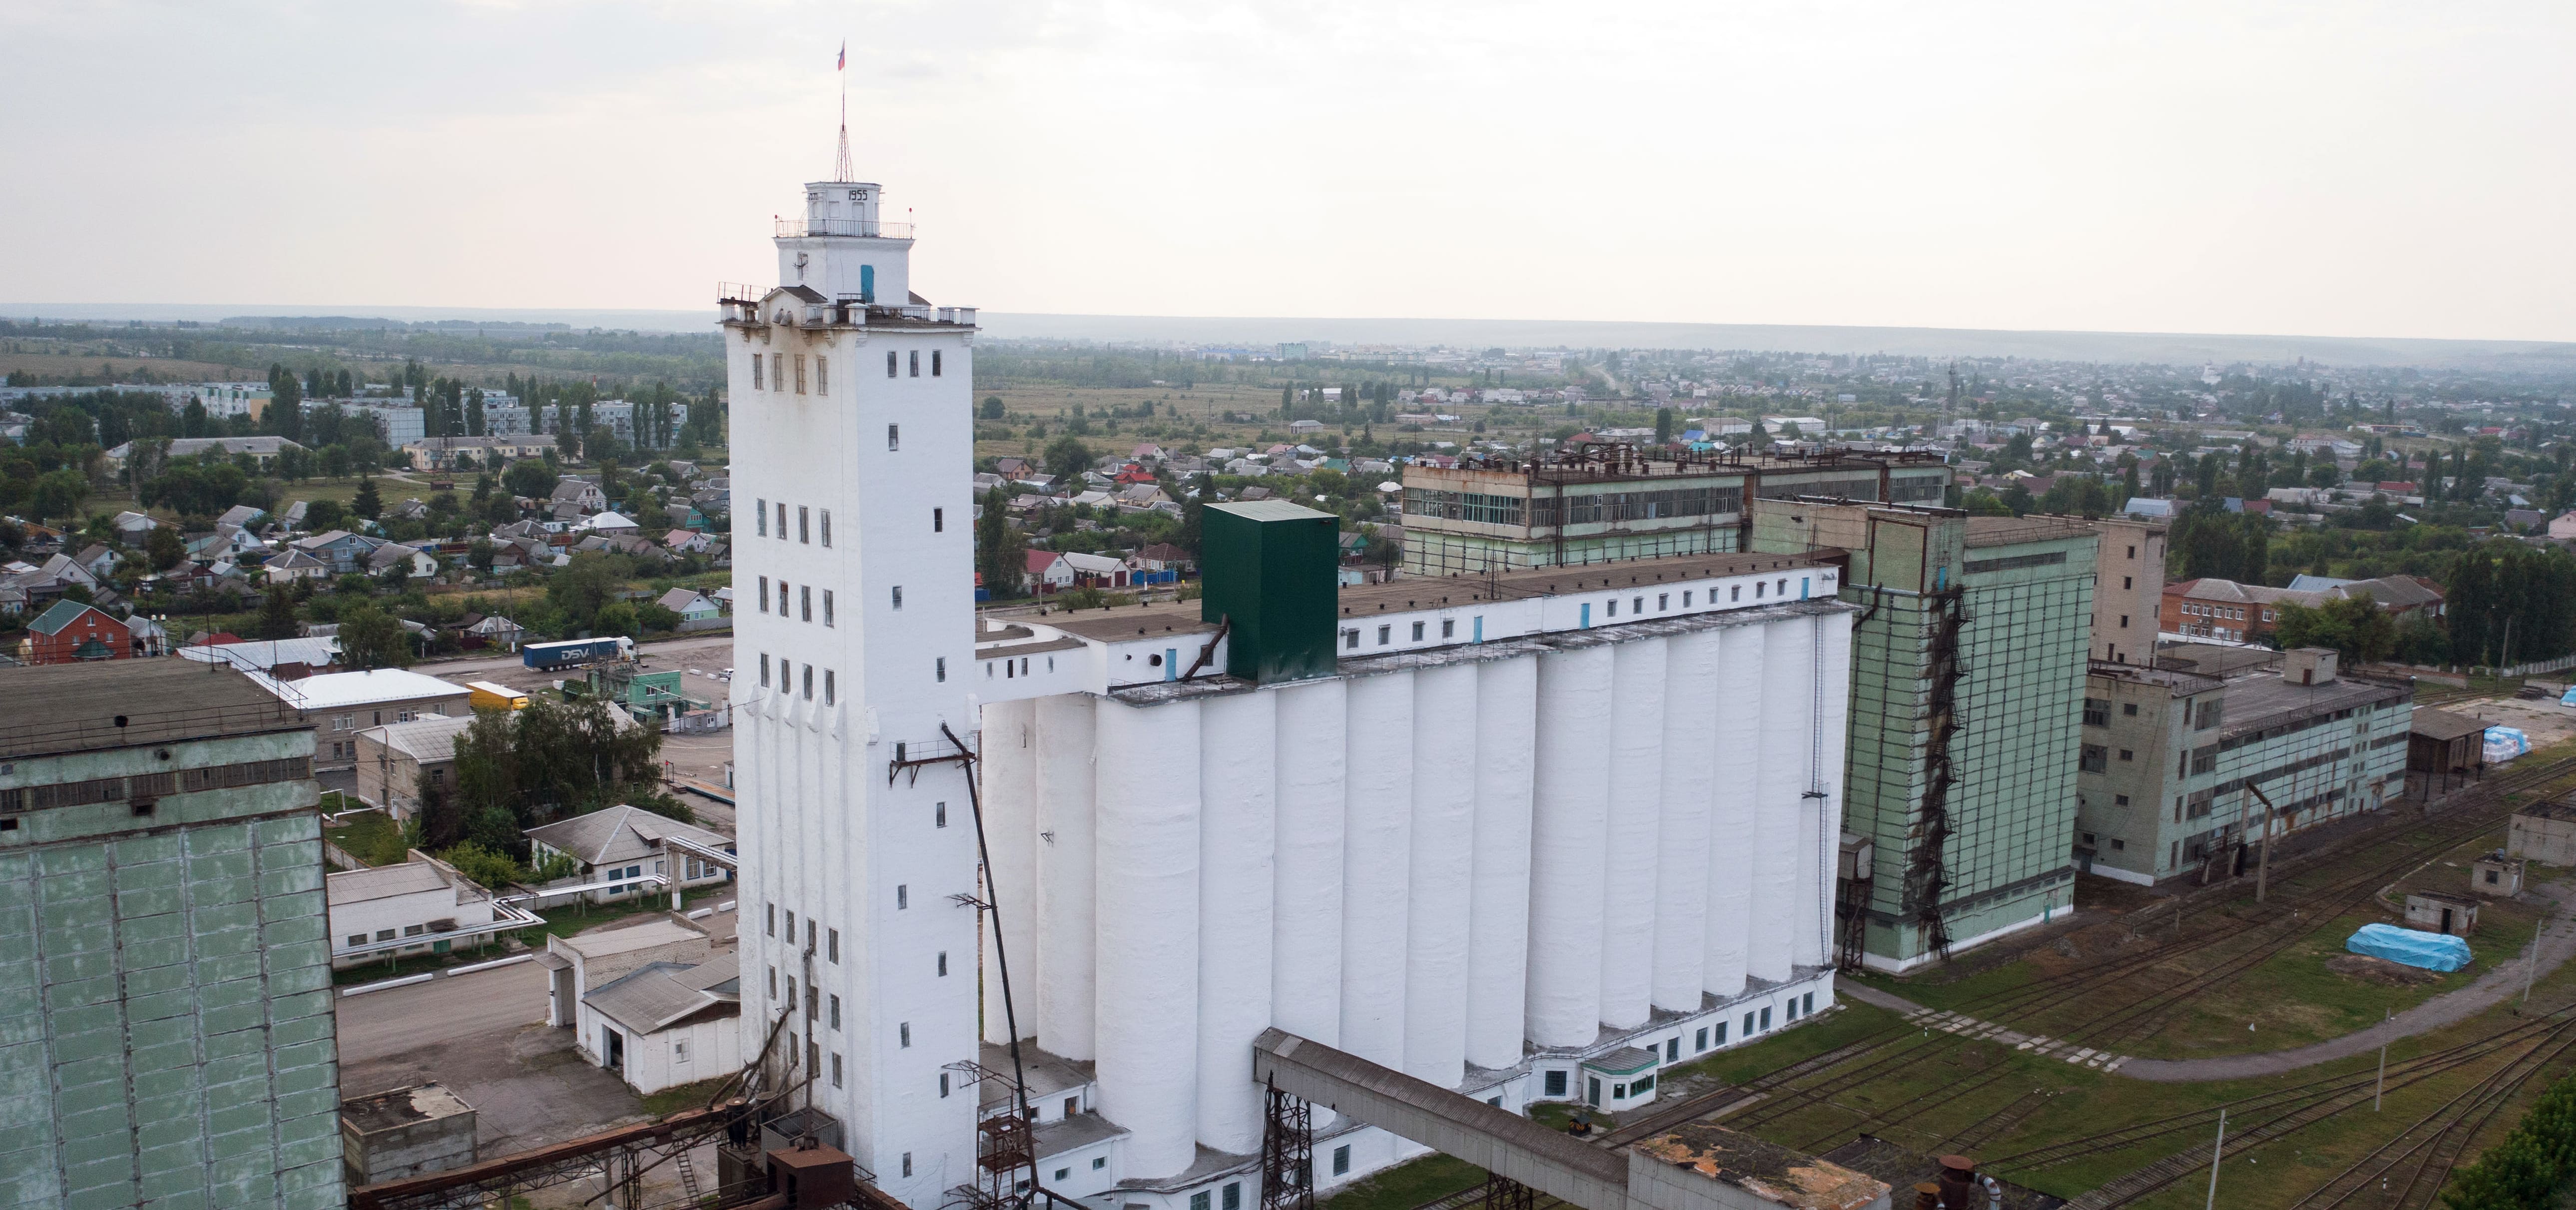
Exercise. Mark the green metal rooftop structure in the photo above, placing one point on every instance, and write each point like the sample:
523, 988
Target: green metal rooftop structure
1267, 572
1967, 704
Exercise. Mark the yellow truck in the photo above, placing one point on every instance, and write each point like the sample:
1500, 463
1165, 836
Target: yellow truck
488, 695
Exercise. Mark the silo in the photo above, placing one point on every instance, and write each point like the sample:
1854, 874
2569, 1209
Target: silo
1499, 898
1146, 1018
1834, 639
1738, 744
1682, 838
1238, 828
1306, 899
1376, 865
1442, 871
1008, 792
1788, 703
1635, 808
1067, 877
1569, 817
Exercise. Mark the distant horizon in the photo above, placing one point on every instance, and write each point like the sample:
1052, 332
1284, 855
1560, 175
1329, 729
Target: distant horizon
2507, 355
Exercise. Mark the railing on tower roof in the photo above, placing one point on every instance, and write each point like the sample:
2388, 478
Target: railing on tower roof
868, 228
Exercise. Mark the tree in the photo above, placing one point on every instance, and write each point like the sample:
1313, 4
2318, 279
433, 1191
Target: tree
530, 477
617, 618
488, 868
1001, 553
992, 408
163, 549
367, 503
1067, 457
2353, 625
276, 614
370, 638
553, 760
321, 515
58, 493
585, 586
1663, 426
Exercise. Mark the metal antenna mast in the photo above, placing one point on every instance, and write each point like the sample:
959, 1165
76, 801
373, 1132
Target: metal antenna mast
841, 170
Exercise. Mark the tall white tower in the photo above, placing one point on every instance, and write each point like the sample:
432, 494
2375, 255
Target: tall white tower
852, 467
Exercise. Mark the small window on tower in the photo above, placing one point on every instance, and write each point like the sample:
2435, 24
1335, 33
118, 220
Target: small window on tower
943, 964
778, 371
805, 600
800, 373
827, 607
915, 363
827, 527
827, 687
938, 520
809, 682
764, 665
939, 815
898, 596
903, 1035
760, 510
822, 375
782, 520
934, 363
804, 524
940, 666
889, 363
756, 382
764, 594
894, 437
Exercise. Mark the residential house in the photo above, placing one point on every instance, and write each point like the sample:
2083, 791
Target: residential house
295, 565
497, 631
1047, 572
69, 632
96, 559
344, 551
414, 561
691, 605
2397, 595
443, 453
626, 842
1013, 468
683, 515
1163, 556
1096, 571
262, 451
395, 759
131, 527
421, 905
608, 523
581, 496
239, 516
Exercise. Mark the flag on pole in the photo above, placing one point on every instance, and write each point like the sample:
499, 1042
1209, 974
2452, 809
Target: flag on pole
843, 62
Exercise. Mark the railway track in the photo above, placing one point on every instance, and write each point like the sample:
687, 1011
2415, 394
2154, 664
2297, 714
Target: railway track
2274, 927
2424, 1153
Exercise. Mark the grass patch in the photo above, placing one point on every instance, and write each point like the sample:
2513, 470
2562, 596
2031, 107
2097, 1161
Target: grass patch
1849, 1022
684, 1096
370, 836
583, 915
1407, 1184
414, 964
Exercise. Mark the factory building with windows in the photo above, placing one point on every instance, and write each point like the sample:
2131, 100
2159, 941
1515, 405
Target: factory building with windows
1528, 836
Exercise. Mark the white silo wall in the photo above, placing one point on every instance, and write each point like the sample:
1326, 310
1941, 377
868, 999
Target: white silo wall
1498, 905
1635, 811
1238, 791
1067, 877
1569, 817
1787, 703
1306, 912
1148, 902
1833, 638
1737, 741
1376, 860
1682, 838
1441, 875
1009, 797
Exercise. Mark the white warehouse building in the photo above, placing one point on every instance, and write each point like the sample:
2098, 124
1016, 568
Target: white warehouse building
1529, 837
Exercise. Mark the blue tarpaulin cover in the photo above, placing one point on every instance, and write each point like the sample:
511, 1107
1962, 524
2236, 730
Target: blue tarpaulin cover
2568, 698
2413, 947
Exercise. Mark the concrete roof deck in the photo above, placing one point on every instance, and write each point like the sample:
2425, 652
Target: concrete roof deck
2255, 703
1766, 1170
383, 882
54, 709
2014, 531
400, 1107
2183, 684
642, 933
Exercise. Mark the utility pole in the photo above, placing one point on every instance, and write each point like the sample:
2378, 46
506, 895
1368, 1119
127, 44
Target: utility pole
2215, 1150
2531, 965
2380, 1086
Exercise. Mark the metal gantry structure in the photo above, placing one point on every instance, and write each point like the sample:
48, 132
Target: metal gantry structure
1287, 1152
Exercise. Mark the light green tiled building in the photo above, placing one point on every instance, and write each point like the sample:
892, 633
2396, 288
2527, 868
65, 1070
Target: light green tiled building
1967, 700
165, 1012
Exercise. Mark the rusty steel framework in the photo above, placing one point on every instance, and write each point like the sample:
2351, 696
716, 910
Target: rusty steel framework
1504, 1193
1287, 1153
618, 1158
1926, 875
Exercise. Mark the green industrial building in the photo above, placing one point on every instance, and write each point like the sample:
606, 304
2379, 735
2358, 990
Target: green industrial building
1967, 689
165, 1003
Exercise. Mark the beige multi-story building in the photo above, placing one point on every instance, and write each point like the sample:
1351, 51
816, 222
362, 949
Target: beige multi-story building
1601, 503
2128, 599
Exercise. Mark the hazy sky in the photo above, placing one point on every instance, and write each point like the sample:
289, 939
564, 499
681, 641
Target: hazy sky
2334, 168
